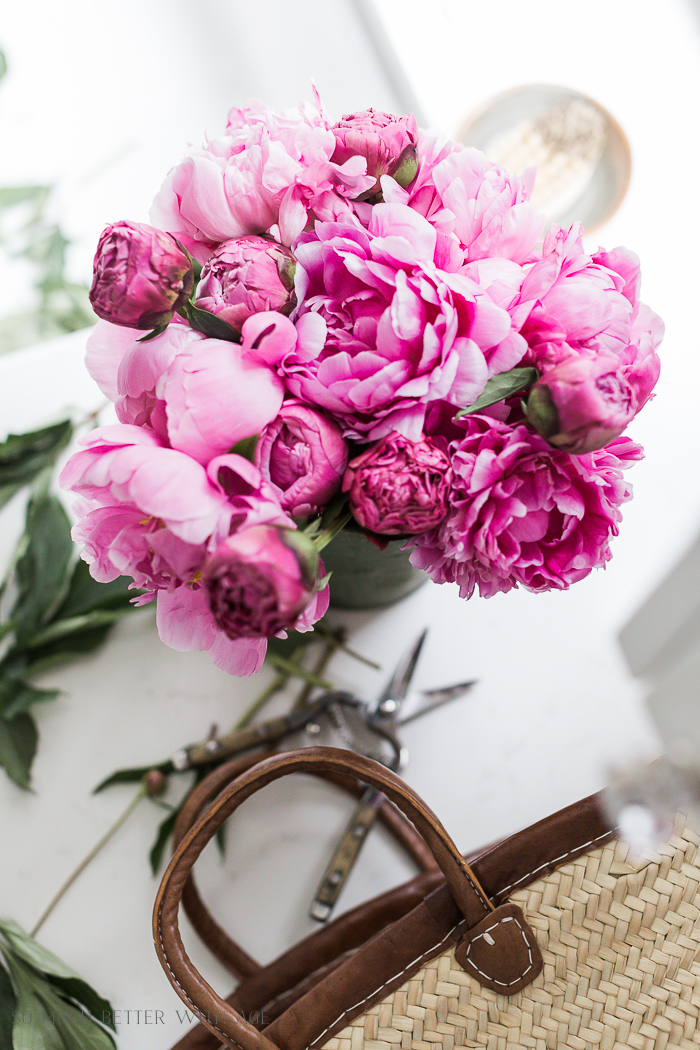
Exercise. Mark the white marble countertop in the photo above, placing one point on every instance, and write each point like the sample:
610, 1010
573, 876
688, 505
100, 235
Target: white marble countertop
555, 707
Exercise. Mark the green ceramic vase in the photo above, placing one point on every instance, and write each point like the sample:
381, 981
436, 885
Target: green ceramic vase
365, 577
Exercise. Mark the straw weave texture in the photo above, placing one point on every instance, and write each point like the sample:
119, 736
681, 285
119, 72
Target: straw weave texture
621, 948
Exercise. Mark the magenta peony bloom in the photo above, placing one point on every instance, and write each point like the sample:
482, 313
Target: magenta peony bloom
583, 403
156, 515
303, 456
247, 276
259, 581
199, 395
270, 168
523, 513
382, 331
387, 143
140, 276
399, 486
472, 203
571, 302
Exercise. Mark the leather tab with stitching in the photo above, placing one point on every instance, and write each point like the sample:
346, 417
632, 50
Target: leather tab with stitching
501, 953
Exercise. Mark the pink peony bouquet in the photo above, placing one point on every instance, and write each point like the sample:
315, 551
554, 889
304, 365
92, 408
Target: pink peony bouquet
351, 321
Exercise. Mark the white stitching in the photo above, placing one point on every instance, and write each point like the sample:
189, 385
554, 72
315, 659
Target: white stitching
505, 984
407, 967
186, 997
554, 860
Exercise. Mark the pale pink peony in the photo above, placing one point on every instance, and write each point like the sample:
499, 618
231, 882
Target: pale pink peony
387, 143
472, 202
199, 395
141, 276
573, 302
523, 513
259, 581
246, 276
399, 486
269, 169
582, 403
382, 331
303, 455
156, 515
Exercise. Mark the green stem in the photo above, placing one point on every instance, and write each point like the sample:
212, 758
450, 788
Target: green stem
321, 628
91, 856
333, 642
248, 715
325, 537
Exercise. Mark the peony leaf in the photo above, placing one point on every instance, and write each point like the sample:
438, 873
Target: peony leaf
165, 830
43, 568
18, 740
132, 776
33, 1028
8, 1005
85, 594
499, 387
17, 696
24, 456
210, 324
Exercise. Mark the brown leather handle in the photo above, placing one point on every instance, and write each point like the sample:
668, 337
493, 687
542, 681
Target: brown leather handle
215, 1012
220, 944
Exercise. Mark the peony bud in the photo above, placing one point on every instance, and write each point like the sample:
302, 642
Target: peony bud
399, 486
260, 580
141, 276
388, 144
583, 403
303, 455
245, 276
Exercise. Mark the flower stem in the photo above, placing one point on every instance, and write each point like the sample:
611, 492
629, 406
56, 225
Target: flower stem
325, 537
332, 644
141, 794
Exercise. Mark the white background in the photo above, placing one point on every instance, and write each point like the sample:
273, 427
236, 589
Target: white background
100, 100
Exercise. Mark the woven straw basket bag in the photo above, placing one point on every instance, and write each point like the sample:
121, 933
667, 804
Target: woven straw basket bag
551, 938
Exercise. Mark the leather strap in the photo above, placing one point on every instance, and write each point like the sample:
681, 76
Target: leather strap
224, 947
217, 1015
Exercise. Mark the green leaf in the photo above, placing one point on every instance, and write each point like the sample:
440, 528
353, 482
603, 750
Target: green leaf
153, 334
33, 1028
24, 456
44, 567
18, 740
499, 387
66, 980
62, 651
246, 447
8, 1004
86, 594
60, 629
17, 696
210, 324
11, 195
3, 65
165, 830
8, 491
131, 776
74, 1027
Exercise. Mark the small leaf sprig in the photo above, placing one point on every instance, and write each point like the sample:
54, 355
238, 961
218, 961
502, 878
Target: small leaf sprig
43, 1002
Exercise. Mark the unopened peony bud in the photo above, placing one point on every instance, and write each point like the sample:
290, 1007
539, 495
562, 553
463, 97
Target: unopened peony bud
156, 782
303, 454
388, 144
582, 404
399, 487
260, 580
245, 276
141, 276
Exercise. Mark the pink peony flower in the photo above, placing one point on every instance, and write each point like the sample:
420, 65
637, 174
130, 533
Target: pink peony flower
199, 395
382, 331
387, 143
247, 276
399, 486
522, 513
270, 168
155, 514
572, 302
583, 403
259, 581
303, 456
472, 202
141, 276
